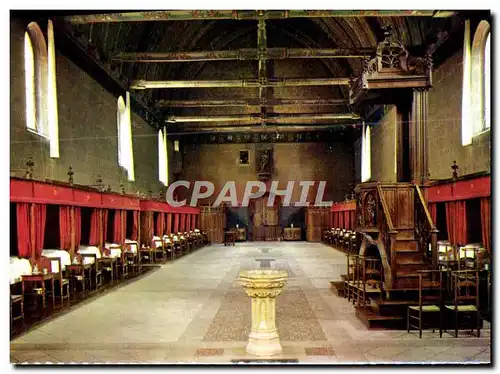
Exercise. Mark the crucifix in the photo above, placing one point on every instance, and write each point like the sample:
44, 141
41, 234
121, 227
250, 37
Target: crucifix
29, 165
455, 168
70, 175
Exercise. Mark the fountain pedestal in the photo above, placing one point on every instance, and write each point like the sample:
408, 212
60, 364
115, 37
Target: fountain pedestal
263, 286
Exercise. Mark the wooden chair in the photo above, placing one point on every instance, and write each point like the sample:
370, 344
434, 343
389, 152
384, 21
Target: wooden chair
352, 272
430, 300
465, 298
169, 247
94, 270
146, 254
158, 250
371, 278
16, 300
61, 279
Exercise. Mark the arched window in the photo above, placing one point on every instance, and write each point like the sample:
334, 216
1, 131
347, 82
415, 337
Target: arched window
162, 157
36, 69
477, 88
366, 171
487, 84
40, 84
125, 147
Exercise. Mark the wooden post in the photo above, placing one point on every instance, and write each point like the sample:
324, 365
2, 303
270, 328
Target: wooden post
434, 248
101, 228
139, 246
32, 233
73, 232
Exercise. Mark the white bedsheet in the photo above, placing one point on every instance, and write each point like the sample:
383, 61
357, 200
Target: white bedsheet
57, 253
114, 248
133, 245
89, 250
157, 242
17, 268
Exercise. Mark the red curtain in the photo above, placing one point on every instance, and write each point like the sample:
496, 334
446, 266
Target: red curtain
105, 224
40, 219
23, 230
78, 226
135, 224
433, 212
183, 222
94, 228
118, 234
341, 220
64, 227
353, 219
347, 220
176, 223
188, 222
486, 222
169, 223
193, 221
160, 224
456, 222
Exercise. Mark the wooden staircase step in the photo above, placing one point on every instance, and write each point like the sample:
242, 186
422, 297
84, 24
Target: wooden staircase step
409, 244
338, 287
373, 321
411, 267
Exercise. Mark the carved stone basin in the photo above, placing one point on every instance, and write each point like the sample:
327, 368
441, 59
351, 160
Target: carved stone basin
263, 285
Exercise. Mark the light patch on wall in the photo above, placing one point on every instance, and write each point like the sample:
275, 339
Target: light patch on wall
176, 145
125, 148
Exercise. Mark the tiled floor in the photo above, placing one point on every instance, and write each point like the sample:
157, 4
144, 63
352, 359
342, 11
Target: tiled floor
194, 311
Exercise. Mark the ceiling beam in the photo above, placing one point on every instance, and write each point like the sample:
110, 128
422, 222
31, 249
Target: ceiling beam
258, 118
246, 103
242, 54
141, 84
259, 128
194, 15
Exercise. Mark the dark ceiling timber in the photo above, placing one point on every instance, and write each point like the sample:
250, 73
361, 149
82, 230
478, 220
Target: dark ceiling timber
243, 54
141, 84
247, 103
192, 15
258, 118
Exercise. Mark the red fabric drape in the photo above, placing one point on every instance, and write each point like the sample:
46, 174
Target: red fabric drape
78, 226
193, 221
341, 220
94, 228
456, 222
353, 219
182, 222
118, 234
40, 219
64, 227
347, 221
160, 224
23, 230
433, 212
135, 224
176, 223
169, 223
188, 222
486, 222
105, 224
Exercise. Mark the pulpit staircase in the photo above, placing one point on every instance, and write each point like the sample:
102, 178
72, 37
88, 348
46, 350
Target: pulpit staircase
394, 224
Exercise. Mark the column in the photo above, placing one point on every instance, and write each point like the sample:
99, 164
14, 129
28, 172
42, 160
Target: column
418, 136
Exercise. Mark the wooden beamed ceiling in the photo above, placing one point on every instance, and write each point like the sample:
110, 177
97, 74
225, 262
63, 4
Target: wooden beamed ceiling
287, 67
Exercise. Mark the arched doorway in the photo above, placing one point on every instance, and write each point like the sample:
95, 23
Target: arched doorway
265, 219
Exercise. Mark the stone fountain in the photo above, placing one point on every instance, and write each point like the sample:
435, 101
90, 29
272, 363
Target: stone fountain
263, 286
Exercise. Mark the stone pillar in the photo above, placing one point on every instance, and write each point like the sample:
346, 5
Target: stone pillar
418, 136
263, 286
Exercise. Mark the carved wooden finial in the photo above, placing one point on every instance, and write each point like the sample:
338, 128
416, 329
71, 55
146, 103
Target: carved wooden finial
122, 188
29, 168
455, 168
70, 175
150, 192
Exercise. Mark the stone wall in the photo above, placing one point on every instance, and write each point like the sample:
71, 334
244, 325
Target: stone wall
87, 129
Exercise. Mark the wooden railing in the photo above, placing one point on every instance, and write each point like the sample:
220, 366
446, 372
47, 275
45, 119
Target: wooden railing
425, 230
387, 231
